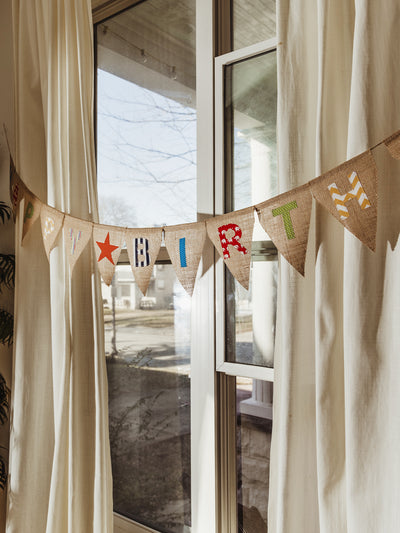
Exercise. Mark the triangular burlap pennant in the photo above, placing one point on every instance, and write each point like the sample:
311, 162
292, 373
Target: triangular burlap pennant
107, 242
17, 188
286, 219
232, 236
77, 234
349, 193
185, 245
32, 207
143, 246
51, 221
393, 144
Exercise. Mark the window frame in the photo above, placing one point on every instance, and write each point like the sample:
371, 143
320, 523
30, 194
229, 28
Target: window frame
261, 250
213, 412
203, 389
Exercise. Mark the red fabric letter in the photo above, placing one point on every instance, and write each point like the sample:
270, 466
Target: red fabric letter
233, 241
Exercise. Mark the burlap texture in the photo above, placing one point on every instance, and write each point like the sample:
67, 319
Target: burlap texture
32, 207
232, 236
286, 219
107, 242
17, 188
143, 245
393, 144
51, 221
361, 221
77, 234
185, 245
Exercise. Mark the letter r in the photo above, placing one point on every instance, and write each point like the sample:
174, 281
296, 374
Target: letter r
233, 241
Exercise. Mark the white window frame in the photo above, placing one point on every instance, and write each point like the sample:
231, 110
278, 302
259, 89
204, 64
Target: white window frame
230, 368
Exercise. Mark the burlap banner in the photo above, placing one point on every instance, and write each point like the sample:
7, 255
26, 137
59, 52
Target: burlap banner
77, 234
286, 219
185, 245
17, 188
107, 241
143, 246
51, 221
32, 207
349, 193
393, 144
232, 236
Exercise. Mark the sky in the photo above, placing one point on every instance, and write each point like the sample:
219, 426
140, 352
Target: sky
146, 156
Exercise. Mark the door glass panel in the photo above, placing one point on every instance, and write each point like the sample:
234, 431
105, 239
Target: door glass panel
148, 366
253, 21
146, 115
251, 177
253, 444
146, 147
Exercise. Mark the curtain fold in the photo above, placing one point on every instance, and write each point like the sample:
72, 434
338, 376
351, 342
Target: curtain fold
60, 473
334, 465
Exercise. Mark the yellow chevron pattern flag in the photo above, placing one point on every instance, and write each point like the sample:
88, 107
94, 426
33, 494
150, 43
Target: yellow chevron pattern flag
349, 193
356, 192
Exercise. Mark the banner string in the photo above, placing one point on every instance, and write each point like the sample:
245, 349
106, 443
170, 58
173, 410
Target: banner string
285, 217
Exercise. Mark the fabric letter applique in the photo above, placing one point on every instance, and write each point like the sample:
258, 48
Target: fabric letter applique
232, 236
234, 240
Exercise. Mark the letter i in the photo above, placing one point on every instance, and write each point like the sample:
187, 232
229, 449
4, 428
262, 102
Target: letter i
182, 252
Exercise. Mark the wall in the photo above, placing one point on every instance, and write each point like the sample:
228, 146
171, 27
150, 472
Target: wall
7, 229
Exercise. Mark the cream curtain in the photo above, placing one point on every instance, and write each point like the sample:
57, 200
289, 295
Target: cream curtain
60, 475
335, 465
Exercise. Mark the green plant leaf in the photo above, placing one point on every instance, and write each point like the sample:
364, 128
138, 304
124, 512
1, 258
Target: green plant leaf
5, 211
6, 327
7, 270
4, 403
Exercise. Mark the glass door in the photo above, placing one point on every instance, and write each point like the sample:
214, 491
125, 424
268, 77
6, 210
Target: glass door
146, 146
181, 138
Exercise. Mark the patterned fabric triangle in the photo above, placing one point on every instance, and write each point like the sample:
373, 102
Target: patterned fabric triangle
349, 193
51, 221
143, 246
77, 234
107, 242
232, 236
185, 245
286, 219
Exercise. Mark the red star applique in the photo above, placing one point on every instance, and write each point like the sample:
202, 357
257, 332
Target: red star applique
106, 249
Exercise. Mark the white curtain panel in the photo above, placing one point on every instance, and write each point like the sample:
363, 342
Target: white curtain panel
335, 463
60, 474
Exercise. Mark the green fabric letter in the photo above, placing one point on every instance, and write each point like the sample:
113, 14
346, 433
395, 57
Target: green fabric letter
28, 212
284, 210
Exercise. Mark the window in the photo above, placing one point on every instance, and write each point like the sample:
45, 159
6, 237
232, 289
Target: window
190, 397
146, 145
246, 94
